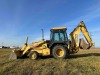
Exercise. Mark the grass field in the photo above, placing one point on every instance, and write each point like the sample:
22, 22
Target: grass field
85, 62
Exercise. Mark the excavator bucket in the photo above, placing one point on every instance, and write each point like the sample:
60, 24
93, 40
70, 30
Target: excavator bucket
83, 44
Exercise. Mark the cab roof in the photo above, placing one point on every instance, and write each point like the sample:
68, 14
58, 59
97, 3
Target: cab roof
58, 28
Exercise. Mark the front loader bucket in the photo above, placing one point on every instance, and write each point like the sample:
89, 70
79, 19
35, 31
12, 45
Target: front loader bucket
83, 44
15, 54
12, 56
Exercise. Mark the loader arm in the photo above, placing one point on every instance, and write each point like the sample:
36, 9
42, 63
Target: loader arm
74, 36
32, 46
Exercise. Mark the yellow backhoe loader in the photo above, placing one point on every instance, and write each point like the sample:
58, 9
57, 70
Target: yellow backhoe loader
59, 46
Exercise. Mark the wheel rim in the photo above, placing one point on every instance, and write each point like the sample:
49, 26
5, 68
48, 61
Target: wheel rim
59, 52
33, 56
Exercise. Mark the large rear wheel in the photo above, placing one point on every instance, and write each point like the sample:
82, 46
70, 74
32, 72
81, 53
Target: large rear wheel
59, 51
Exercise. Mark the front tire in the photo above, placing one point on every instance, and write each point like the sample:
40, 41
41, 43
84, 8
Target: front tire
33, 55
59, 51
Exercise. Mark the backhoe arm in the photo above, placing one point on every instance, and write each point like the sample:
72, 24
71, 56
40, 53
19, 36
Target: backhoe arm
75, 43
86, 34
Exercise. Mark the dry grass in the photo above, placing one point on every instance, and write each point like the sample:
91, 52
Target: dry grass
85, 62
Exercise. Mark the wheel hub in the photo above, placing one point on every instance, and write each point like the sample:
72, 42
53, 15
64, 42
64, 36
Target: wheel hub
59, 52
33, 56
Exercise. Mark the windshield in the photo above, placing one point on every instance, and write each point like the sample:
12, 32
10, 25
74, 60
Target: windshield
59, 35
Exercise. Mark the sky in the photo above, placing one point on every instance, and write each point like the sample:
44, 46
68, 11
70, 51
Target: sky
21, 18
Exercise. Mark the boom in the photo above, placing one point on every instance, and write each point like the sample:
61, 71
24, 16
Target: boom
75, 43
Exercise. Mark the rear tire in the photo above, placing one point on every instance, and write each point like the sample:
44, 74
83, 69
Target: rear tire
33, 55
59, 51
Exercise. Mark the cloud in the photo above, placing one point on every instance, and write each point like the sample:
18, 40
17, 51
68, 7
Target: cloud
97, 29
92, 13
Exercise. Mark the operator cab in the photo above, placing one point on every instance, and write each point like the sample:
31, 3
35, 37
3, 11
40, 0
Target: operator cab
58, 34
